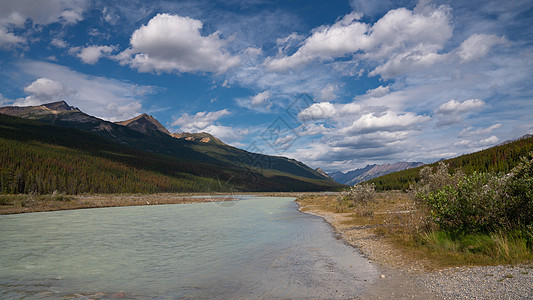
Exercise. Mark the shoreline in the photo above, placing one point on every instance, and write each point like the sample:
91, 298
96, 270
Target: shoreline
24, 203
405, 277
31, 203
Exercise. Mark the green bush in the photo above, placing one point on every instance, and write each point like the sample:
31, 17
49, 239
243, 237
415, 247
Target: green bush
480, 202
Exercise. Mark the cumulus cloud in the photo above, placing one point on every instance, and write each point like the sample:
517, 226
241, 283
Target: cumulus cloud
44, 90
478, 45
106, 98
451, 112
378, 92
261, 100
172, 43
16, 13
389, 121
317, 111
91, 54
400, 39
200, 121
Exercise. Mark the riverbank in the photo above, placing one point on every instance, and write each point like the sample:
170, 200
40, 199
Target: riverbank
408, 273
26, 203
15, 204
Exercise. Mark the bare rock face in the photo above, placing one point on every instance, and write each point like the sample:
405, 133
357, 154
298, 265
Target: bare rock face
324, 174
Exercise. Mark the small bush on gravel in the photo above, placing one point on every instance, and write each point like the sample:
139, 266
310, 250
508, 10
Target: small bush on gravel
357, 196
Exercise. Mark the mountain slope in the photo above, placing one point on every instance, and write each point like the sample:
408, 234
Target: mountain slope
371, 171
501, 158
145, 124
206, 160
192, 149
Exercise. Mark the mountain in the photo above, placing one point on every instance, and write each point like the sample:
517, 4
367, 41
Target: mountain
200, 155
371, 171
202, 137
324, 174
498, 159
145, 124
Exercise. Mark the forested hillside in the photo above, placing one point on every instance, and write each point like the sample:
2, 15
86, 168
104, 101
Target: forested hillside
43, 158
498, 159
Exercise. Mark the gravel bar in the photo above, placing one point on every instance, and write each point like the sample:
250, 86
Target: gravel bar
486, 282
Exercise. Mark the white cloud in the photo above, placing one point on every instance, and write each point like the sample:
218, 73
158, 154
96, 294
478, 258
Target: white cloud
59, 43
226, 133
206, 122
451, 111
489, 141
455, 107
8, 39
400, 39
387, 122
15, 13
172, 43
478, 45
469, 131
349, 109
91, 54
328, 93
378, 92
261, 100
106, 98
317, 111
200, 121
44, 90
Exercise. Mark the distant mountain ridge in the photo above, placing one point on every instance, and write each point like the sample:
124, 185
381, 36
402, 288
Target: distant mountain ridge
371, 171
195, 150
501, 158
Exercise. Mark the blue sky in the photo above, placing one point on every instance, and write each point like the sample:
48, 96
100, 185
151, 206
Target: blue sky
335, 84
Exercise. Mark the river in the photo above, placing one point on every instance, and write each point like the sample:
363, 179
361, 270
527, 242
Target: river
257, 247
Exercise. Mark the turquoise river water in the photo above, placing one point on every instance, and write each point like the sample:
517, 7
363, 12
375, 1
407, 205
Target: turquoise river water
252, 248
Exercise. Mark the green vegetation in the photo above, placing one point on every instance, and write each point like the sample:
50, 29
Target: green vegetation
447, 219
41, 158
499, 159
480, 214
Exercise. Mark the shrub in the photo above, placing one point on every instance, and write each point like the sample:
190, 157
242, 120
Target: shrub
520, 191
480, 202
358, 194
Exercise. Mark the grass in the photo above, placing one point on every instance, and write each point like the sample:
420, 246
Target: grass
394, 218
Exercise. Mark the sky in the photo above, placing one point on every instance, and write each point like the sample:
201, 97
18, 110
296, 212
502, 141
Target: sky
334, 84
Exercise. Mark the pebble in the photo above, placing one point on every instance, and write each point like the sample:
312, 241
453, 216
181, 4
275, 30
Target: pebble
486, 282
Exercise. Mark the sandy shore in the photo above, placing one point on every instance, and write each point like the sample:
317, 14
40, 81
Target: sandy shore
406, 277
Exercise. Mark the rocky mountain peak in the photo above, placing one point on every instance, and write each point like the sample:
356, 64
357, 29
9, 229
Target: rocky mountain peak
59, 106
144, 123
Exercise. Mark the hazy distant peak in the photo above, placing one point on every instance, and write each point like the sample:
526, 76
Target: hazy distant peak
371, 171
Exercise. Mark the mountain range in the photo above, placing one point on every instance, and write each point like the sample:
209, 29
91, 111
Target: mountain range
198, 154
371, 171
